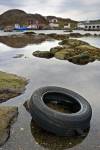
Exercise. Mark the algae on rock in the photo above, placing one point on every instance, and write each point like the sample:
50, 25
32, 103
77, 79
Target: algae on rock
7, 117
11, 86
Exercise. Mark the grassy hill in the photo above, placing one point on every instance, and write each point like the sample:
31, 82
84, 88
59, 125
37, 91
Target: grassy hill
15, 16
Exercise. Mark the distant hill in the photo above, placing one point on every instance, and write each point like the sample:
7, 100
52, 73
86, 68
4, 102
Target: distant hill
15, 16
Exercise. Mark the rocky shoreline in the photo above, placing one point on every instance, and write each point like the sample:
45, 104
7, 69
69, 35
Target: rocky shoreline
8, 116
11, 86
73, 50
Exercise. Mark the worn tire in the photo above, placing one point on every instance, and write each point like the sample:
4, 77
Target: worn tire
61, 124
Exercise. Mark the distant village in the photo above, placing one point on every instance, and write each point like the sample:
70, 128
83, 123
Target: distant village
36, 25
53, 24
19, 20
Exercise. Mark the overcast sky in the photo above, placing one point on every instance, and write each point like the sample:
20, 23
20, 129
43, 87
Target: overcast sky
74, 9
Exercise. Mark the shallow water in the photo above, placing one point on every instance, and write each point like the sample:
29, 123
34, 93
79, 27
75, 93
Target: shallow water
50, 31
84, 80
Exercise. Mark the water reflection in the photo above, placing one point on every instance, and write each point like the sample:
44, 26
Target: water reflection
53, 142
21, 41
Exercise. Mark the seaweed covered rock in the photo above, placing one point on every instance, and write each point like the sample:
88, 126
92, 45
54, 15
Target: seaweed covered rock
43, 54
73, 42
92, 51
7, 117
11, 86
55, 49
57, 36
64, 54
81, 59
73, 50
76, 35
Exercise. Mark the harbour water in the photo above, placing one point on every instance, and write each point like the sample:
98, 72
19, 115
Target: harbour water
84, 80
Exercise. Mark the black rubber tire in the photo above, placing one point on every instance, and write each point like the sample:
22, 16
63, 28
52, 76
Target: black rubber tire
61, 124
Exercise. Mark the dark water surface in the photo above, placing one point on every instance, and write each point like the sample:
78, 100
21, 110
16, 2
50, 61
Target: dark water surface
84, 80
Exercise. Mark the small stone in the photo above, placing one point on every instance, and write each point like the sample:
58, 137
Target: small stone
22, 129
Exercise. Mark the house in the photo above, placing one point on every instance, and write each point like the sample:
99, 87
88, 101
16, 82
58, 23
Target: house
54, 20
89, 25
92, 26
81, 25
67, 26
8, 29
54, 25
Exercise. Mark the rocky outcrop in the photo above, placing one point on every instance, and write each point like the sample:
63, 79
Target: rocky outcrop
15, 16
76, 51
7, 117
11, 86
20, 41
43, 54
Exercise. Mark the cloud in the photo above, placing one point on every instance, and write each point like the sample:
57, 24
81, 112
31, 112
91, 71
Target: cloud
75, 9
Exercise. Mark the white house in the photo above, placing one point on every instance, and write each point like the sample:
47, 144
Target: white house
80, 25
54, 20
33, 26
54, 25
92, 26
67, 26
17, 26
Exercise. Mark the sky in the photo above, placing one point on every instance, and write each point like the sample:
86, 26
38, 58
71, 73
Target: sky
74, 9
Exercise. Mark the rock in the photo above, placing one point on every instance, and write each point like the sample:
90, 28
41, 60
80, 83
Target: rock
92, 51
43, 54
57, 36
81, 59
18, 56
73, 50
73, 42
7, 117
64, 54
11, 86
55, 49
76, 35
29, 33
87, 34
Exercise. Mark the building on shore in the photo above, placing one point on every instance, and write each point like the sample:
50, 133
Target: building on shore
54, 25
8, 29
54, 20
31, 25
89, 25
92, 26
67, 26
81, 25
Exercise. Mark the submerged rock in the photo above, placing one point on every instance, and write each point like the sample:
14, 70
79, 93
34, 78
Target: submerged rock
18, 56
11, 86
57, 36
43, 54
7, 117
76, 35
